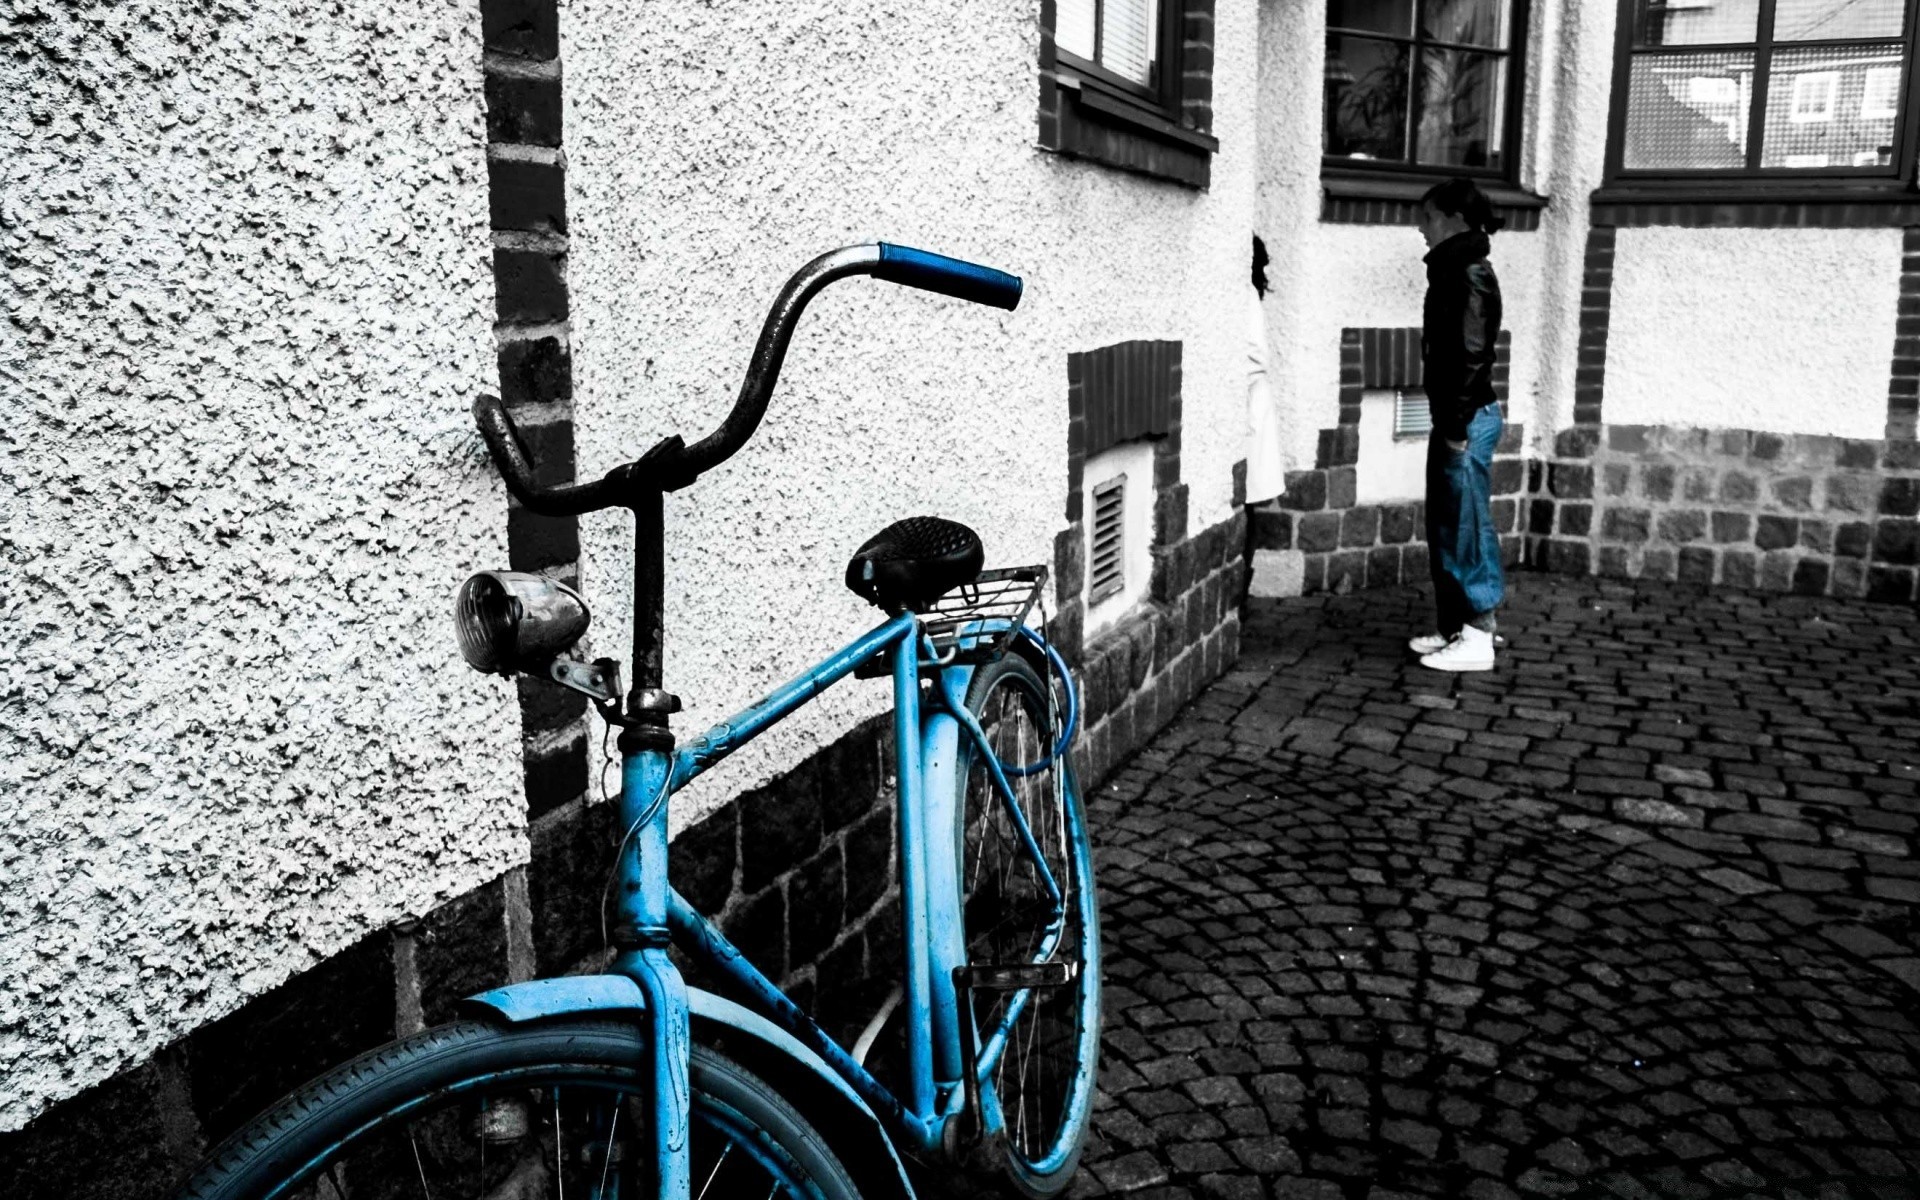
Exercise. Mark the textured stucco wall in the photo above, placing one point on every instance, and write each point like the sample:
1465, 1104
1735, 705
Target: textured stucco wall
1782, 330
711, 151
249, 307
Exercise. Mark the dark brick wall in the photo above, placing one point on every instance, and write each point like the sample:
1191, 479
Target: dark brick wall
1379, 210
527, 201
1347, 545
1903, 388
1610, 209
1175, 146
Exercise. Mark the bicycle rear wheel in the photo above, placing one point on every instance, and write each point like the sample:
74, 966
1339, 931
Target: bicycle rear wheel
1045, 1076
527, 1113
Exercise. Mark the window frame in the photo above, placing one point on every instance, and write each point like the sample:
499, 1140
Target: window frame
1162, 132
1513, 134
1159, 98
1753, 181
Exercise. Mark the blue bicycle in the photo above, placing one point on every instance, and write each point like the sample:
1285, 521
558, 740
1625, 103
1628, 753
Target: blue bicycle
629, 1085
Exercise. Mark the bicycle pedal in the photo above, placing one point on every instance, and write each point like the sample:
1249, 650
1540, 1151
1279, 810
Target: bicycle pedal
1015, 977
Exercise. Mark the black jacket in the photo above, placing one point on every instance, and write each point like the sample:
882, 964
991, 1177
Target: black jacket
1459, 324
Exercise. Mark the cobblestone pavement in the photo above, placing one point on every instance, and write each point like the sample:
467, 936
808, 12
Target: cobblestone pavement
1632, 915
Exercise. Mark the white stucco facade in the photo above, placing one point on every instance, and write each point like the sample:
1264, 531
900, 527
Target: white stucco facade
1783, 330
250, 304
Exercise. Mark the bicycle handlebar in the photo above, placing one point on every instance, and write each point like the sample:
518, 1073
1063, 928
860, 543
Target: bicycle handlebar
948, 276
671, 464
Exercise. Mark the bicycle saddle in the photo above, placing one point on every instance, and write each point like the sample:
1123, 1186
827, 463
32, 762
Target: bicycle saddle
912, 563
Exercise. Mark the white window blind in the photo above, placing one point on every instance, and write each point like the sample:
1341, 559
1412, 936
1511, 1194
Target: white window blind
1128, 43
1073, 25
1121, 35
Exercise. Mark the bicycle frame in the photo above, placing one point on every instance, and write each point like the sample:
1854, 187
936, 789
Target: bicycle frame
925, 745
648, 915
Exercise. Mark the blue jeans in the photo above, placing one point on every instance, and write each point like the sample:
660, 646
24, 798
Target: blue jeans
1462, 547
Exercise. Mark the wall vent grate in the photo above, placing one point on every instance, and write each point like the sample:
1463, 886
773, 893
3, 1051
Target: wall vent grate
1411, 416
1107, 560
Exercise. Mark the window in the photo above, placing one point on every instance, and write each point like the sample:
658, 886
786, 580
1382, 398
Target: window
1813, 96
1119, 39
1424, 86
1129, 83
1760, 89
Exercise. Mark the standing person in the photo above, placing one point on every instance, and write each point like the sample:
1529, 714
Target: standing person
1266, 472
1460, 322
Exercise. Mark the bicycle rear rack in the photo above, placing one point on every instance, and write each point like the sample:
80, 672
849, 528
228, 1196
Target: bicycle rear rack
975, 622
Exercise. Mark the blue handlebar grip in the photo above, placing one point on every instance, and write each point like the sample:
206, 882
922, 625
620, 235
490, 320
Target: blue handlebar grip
948, 276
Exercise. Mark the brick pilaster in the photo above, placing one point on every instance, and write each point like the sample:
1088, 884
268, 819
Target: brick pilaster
527, 204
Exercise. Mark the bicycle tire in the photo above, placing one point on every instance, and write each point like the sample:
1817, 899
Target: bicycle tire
351, 1114
1064, 1022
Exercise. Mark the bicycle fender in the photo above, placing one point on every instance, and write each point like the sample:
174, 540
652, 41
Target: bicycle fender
854, 1132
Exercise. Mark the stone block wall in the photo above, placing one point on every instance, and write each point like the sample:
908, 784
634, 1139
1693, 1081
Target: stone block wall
1342, 544
1817, 516
1136, 674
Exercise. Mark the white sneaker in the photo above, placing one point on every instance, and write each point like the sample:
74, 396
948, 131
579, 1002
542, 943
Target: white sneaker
1427, 643
1471, 651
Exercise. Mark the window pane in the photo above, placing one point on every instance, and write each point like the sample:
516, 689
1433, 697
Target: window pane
1811, 20
1462, 98
1378, 16
1073, 26
1688, 110
1818, 101
1695, 22
1475, 22
1126, 38
1367, 88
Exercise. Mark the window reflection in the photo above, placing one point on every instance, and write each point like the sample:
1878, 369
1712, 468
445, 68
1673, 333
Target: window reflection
1425, 93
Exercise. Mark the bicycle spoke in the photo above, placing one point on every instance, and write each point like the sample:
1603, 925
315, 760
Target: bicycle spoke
418, 1165
717, 1164
559, 1168
606, 1160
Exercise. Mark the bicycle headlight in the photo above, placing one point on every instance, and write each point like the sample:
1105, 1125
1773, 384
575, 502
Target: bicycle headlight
510, 621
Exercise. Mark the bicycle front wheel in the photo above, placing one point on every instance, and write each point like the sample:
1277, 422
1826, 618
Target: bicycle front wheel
1049, 1037
529, 1112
